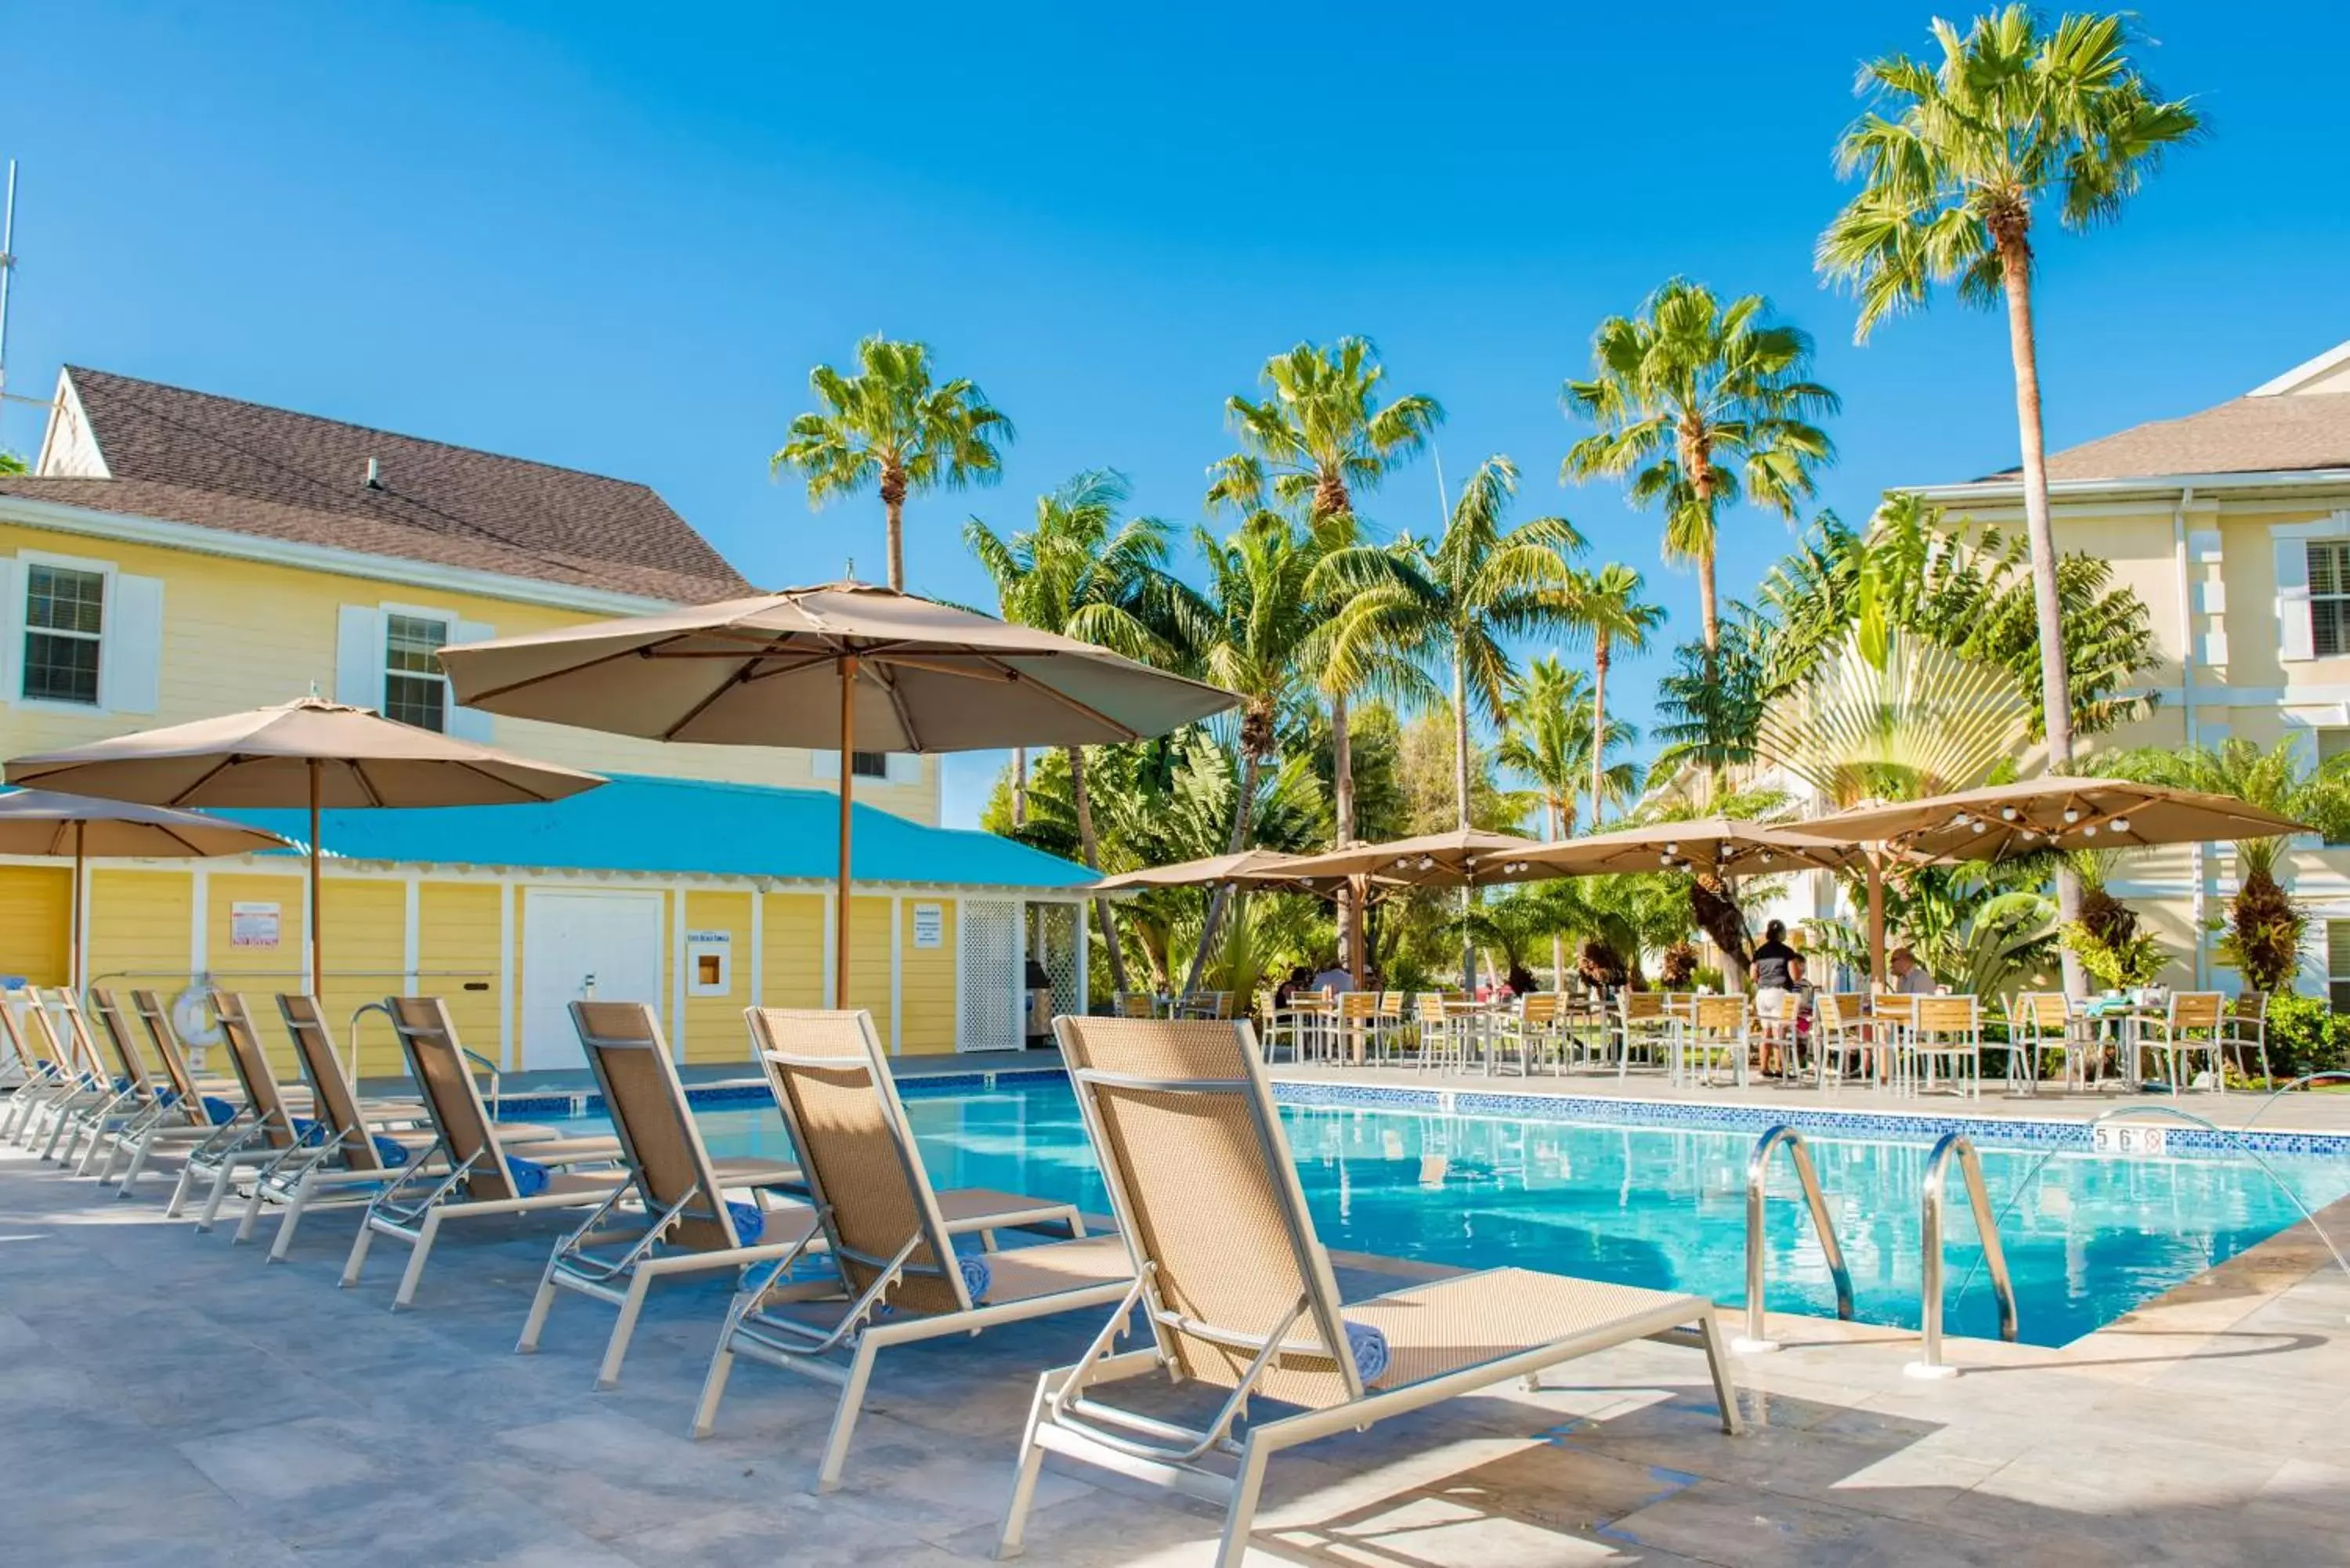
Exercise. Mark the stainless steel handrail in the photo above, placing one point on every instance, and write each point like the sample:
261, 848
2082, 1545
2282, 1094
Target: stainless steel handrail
1758, 1168
475, 1057
1955, 1146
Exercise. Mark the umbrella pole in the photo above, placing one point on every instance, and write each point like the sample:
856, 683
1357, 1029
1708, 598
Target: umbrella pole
1358, 961
73, 943
318, 929
847, 779
1875, 920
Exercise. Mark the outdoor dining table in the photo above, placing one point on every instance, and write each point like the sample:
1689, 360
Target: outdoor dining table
2117, 1023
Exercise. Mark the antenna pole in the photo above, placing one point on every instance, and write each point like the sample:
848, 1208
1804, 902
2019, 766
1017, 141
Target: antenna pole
7, 271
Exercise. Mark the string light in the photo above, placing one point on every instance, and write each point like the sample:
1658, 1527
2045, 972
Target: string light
2121, 825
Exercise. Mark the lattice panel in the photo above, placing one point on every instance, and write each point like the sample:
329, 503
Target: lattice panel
1056, 924
991, 976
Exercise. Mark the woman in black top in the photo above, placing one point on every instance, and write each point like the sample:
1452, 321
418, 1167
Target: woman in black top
1774, 990
1769, 963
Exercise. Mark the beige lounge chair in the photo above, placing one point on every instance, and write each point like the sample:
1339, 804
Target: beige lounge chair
32, 1077
266, 1131
682, 1222
1237, 1293
891, 1237
198, 1109
85, 1087
125, 1097
466, 1174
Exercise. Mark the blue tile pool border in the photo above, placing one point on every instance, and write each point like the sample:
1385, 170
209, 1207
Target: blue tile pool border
2013, 1132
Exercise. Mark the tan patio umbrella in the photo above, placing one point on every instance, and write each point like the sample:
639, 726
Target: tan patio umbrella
308, 752
47, 823
1719, 844
1462, 858
1249, 868
1999, 821
838, 666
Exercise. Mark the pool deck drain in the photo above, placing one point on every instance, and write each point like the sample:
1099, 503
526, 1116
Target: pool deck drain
165, 1398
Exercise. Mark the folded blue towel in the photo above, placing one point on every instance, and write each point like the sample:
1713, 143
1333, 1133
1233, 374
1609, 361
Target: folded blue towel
750, 1222
976, 1276
305, 1130
390, 1151
528, 1177
1370, 1351
220, 1113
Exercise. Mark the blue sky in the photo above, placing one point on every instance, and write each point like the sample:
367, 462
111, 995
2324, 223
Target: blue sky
573, 232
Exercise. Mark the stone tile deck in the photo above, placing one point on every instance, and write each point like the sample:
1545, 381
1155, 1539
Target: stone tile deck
165, 1398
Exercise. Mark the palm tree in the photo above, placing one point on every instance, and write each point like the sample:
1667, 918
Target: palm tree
2264, 923
1319, 437
1608, 605
1456, 600
890, 424
1551, 733
1953, 159
1080, 572
1702, 405
1257, 619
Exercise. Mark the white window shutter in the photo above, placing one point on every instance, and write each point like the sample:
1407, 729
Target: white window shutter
905, 768
2294, 641
825, 763
131, 659
12, 628
359, 657
470, 723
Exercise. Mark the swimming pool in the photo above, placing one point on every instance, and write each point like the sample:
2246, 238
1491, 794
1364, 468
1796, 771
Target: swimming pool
2087, 1239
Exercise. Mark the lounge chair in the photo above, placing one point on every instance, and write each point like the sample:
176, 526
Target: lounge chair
355, 1146
466, 1174
96, 1089
891, 1238
682, 1222
263, 1131
140, 1098
197, 1107
1237, 1293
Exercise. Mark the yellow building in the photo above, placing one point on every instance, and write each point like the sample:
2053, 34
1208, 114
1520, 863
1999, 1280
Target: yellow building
176, 554
2233, 525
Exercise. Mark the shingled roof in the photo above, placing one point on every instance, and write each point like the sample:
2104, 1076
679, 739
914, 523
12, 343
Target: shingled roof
219, 462
2244, 435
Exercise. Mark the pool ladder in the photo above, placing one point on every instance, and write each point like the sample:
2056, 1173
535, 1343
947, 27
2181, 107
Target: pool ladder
1954, 1148
1758, 1168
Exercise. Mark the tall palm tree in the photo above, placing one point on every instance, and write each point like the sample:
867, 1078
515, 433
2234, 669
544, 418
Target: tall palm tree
1456, 600
1320, 436
1953, 158
1257, 619
1702, 405
1554, 733
1607, 604
892, 426
1081, 572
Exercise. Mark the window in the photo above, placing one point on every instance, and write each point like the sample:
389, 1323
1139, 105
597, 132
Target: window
870, 764
2338, 964
64, 615
2329, 597
414, 689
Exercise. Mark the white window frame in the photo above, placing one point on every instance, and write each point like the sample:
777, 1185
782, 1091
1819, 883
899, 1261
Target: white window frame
450, 621
20, 621
2339, 598
2332, 979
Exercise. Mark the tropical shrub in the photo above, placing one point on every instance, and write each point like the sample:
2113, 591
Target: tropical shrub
2306, 1035
2135, 959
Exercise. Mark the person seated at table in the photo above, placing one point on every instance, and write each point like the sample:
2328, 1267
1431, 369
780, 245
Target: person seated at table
1910, 978
1334, 980
1299, 978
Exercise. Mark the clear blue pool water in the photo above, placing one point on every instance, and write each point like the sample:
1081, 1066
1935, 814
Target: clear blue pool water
2087, 1239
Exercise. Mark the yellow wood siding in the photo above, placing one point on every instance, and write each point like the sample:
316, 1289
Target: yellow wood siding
794, 974
713, 1030
457, 928
926, 982
140, 921
869, 959
237, 633
366, 948
36, 904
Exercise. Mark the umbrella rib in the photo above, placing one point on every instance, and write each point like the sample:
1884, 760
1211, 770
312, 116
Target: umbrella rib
188, 794
996, 671
531, 796
646, 651
367, 785
898, 706
1096, 714
809, 663
710, 699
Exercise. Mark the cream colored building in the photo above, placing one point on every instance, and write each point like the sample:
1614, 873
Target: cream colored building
2233, 525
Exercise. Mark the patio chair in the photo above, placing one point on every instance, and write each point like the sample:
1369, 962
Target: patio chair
2248, 1029
1395, 1028
1642, 1023
1304, 1020
682, 1221
1205, 1004
2039, 1022
2191, 1024
1137, 1004
265, 1130
1443, 1034
1236, 1292
466, 1174
1942, 1029
1838, 1048
898, 1278
1355, 1034
355, 1146
1718, 1029
1531, 1030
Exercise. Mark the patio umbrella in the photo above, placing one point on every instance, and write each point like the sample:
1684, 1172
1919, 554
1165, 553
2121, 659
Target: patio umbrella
308, 752
1249, 868
2056, 812
1462, 858
45, 822
1718, 843
839, 665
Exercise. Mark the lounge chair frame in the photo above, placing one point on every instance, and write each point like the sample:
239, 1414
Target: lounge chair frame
1065, 1418
843, 1352
686, 1226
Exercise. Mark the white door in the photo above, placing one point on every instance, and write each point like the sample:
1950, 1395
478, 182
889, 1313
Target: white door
581, 946
989, 931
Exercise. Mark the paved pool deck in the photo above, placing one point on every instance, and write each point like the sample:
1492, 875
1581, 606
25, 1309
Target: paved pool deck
166, 1398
